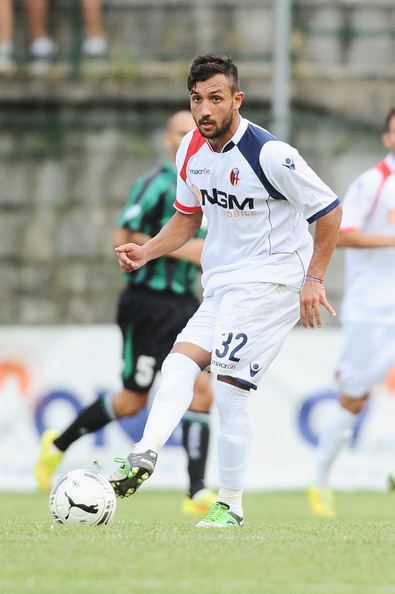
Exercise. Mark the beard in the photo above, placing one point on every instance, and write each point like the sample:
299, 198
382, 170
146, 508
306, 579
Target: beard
219, 131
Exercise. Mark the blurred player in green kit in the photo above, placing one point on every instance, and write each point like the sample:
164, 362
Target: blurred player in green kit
153, 308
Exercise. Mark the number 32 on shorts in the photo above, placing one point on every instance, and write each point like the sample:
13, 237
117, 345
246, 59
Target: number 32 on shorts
233, 342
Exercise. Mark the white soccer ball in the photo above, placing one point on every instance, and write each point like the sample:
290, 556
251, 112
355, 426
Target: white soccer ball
82, 497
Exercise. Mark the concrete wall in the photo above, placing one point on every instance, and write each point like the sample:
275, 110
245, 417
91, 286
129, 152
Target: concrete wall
342, 51
64, 176
70, 146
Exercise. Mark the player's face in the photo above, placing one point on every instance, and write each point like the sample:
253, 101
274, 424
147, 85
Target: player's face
214, 106
389, 136
179, 124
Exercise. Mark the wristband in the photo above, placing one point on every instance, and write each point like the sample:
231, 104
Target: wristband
315, 279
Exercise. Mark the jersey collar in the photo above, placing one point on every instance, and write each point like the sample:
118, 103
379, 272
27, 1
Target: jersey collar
242, 127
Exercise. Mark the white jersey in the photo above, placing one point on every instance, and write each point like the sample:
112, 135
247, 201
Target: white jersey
258, 196
369, 206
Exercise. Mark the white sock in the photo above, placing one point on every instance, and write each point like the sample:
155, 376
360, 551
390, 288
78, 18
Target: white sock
95, 46
6, 48
172, 399
233, 498
335, 434
42, 47
233, 443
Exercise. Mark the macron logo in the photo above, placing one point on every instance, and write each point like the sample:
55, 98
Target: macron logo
254, 369
289, 163
204, 171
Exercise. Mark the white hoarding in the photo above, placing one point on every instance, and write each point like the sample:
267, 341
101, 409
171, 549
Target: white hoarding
48, 373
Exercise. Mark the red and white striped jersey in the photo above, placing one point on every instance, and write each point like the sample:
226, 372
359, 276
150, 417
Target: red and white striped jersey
369, 206
258, 196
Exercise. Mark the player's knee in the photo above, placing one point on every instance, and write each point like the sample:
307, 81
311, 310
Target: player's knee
354, 405
178, 366
232, 405
128, 403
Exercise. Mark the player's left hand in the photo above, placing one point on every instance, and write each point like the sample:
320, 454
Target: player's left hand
312, 297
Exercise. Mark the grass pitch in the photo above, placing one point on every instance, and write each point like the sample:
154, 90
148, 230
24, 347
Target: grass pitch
151, 549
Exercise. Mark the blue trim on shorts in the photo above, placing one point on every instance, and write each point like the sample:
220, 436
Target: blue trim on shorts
247, 384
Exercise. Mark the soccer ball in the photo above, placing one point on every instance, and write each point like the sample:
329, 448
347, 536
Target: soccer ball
82, 497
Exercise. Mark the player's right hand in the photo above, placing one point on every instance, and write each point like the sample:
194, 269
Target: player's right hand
131, 256
312, 296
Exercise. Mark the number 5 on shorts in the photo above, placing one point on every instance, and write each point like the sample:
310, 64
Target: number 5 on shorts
145, 369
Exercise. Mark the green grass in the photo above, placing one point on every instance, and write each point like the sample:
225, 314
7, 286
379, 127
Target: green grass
151, 549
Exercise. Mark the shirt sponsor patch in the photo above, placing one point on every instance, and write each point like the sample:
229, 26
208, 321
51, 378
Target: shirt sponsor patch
204, 171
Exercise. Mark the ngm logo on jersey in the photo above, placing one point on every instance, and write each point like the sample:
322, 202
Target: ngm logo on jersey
19, 396
232, 205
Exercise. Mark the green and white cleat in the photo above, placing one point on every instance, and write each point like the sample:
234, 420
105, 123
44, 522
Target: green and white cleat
133, 471
220, 516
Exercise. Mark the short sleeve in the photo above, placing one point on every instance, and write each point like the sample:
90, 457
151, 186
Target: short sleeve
187, 197
359, 200
289, 173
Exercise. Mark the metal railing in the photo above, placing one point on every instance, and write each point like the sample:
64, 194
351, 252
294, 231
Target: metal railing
168, 30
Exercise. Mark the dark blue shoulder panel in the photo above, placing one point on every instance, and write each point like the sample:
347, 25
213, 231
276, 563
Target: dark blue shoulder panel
250, 146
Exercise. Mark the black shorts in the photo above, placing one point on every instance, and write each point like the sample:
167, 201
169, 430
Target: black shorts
149, 321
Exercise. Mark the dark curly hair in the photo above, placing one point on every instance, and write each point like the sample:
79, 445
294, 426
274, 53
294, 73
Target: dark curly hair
208, 65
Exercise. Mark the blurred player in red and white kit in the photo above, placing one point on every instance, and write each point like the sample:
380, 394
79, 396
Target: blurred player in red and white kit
368, 310
261, 272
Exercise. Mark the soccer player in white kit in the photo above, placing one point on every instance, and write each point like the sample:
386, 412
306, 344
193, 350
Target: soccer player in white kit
261, 272
368, 309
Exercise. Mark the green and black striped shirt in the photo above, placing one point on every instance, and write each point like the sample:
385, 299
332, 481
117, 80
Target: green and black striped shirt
148, 208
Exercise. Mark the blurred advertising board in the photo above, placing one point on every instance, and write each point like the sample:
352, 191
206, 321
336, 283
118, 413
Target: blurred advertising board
47, 374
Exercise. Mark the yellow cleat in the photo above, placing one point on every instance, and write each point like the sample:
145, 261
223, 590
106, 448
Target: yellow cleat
322, 503
199, 504
48, 461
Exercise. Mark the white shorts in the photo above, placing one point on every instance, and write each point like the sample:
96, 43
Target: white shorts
243, 327
367, 356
